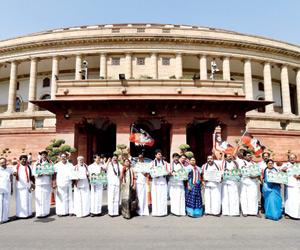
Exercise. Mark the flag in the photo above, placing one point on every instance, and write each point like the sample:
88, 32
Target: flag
140, 137
252, 143
223, 146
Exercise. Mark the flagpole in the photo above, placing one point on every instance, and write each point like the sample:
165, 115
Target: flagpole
238, 144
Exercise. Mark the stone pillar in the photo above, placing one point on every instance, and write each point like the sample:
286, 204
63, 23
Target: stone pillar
178, 136
128, 70
154, 65
78, 67
226, 69
298, 89
103, 74
268, 86
178, 66
123, 130
54, 76
285, 90
203, 67
248, 85
32, 84
11, 106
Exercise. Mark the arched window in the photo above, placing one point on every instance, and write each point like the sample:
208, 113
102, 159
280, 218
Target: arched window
261, 86
44, 97
261, 109
46, 82
18, 104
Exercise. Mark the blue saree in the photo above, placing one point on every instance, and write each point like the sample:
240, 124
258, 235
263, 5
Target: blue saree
272, 196
193, 199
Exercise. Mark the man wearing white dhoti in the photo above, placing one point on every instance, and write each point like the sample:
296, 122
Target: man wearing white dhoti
81, 189
230, 189
212, 192
141, 189
113, 186
43, 187
249, 188
177, 192
292, 195
63, 185
6, 190
24, 187
159, 188
96, 189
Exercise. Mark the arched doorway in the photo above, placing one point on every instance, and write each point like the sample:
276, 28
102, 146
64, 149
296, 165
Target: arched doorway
95, 136
199, 135
160, 131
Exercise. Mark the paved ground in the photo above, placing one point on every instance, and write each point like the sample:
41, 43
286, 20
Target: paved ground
150, 233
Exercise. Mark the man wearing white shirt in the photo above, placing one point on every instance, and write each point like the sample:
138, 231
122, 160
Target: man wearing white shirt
24, 187
292, 191
6, 190
113, 185
96, 189
159, 188
81, 189
63, 185
43, 187
177, 192
212, 192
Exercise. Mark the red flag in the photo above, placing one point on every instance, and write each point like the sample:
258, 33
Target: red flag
140, 137
223, 146
252, 143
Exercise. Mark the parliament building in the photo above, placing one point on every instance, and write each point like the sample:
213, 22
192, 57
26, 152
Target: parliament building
180, 83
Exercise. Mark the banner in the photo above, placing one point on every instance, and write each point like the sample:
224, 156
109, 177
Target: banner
223, 146
212, 175
252, 143
44, 169
140, 137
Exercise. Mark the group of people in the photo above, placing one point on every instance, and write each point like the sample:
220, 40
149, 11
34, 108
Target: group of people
131, 192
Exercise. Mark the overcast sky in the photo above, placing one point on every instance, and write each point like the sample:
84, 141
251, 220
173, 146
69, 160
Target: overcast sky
278, 19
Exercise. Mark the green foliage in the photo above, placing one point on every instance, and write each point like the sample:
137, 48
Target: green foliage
57, 147
184, 147
121, 146
189, 154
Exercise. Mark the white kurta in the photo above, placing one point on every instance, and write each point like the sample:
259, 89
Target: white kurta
5, 190
230, 194
141, 189
96, 189
82, 192
159, 192
292, 196
249, 192
42, 192
177, 193
23, 194
113, 188
64, 195
212, 192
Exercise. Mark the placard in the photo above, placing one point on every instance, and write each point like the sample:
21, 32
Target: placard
277, 177
44, 169
142, 167
158, 172
181, 175
295, 170
251, 171
212, 175
232, 175
100, 178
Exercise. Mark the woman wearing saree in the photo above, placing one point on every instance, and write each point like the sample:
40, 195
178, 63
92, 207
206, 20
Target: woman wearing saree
193, 199
272, 194
128, 194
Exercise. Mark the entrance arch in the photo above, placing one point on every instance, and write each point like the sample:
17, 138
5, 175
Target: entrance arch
199, 135
160, 131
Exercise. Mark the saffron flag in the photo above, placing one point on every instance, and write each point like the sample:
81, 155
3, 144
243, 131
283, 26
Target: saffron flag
140, 137
223, 146
252, 143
